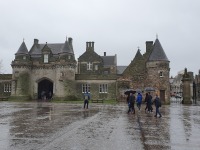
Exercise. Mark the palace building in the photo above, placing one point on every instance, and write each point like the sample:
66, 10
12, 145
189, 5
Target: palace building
52, 67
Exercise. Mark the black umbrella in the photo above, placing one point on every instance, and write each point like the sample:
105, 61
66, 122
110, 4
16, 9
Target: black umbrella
149, 89
127, 92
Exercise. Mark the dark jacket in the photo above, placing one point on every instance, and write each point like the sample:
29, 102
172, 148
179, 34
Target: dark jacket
157, 102
87, 96
131, 100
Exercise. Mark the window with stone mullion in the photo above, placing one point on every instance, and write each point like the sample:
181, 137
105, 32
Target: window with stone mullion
89, 66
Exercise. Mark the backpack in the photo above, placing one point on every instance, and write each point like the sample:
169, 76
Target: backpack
86, 97
159, 102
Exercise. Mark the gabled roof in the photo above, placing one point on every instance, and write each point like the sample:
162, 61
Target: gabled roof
158, 52
22, 49
46, 49
137, 65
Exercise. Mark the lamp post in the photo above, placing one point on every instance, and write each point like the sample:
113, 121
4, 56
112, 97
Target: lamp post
194, 92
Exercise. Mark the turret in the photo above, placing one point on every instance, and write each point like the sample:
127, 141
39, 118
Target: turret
22, 52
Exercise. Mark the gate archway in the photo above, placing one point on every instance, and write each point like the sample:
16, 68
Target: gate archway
45, 87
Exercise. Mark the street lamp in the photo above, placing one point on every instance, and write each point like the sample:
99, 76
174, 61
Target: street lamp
194, 92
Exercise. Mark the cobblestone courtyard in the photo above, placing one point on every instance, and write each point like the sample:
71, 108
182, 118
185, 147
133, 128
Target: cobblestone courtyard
56, 126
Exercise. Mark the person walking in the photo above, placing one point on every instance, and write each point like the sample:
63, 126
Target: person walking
146, 100
157, 102
131, 103
149, 103
86, 99
139, 100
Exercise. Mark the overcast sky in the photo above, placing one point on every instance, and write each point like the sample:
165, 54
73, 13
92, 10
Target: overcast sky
116, 26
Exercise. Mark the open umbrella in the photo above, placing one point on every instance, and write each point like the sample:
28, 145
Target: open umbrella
138, 90
128, 91
149, 89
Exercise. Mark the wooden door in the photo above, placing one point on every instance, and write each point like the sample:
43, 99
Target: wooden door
162, 95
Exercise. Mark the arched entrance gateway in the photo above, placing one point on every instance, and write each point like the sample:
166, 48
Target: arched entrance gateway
45, 89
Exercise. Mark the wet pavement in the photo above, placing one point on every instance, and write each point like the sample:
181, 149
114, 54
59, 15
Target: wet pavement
56, 126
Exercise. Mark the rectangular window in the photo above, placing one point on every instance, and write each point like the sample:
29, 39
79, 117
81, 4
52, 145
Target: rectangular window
103, 88
24, 57
46, 58
85, 88
7, 87
96, 67
89, 66
105, 72
161, 74
69, 56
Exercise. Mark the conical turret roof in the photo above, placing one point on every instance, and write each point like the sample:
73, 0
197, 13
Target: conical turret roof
66, 48
158, 54
22, 49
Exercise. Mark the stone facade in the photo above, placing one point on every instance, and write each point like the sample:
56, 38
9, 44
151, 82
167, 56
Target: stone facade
150, 70
53, 68
5, 85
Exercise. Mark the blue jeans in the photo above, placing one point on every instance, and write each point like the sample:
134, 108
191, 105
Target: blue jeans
158, 112
86, 103
139, 105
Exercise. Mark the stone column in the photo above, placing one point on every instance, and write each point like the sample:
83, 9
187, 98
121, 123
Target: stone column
186, 88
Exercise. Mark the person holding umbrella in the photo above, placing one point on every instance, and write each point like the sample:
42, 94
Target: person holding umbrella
131, 103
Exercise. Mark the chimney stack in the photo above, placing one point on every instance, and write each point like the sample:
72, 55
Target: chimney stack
149, 45
104, 53
70, 41
36, 41
90, 46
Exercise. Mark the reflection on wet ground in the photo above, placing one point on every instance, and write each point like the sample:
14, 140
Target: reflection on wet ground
53, 126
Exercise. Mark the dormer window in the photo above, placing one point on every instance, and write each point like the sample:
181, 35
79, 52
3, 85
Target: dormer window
46, 58
89, 66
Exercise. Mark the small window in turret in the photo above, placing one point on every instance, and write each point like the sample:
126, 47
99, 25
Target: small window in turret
24, 57
69, 56
46, 58
161, 74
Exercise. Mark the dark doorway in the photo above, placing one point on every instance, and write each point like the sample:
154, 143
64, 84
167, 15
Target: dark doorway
162, 95
45, 88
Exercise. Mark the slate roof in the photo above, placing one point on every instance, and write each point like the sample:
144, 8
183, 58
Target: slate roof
67, 48
22, 49
158, 52
109, 60
55, 48
120, 69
